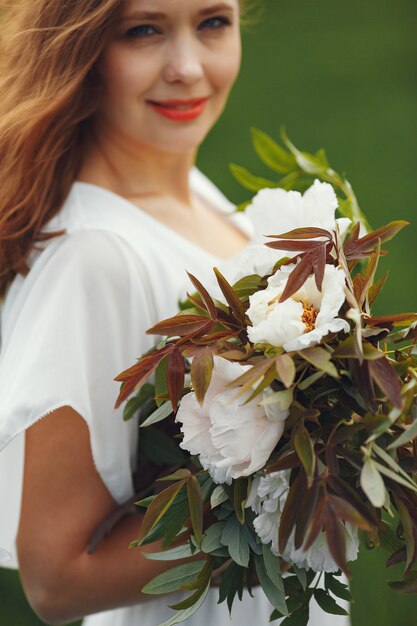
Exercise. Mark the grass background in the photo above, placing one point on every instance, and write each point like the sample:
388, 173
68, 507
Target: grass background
339, 75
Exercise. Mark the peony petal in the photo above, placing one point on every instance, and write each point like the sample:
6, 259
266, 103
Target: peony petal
319, 205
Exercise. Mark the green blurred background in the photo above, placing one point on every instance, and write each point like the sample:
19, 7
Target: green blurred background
339, 75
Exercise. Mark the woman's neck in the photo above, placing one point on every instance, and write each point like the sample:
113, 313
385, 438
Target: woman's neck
134, 172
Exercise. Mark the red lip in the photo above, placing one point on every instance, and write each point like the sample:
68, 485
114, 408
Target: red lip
167, 108
191, 102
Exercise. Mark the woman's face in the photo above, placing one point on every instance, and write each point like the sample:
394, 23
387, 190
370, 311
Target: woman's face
168, 71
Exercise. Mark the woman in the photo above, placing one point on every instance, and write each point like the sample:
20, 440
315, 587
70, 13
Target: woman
104, 106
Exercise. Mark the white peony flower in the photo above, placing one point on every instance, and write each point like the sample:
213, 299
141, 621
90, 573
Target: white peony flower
267, 499
274, 212
231, 440
303, 319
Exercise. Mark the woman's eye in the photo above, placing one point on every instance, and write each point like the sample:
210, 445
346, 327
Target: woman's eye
141, 32
215, 23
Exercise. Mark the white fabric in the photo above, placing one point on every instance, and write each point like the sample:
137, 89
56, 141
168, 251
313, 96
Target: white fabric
75, 322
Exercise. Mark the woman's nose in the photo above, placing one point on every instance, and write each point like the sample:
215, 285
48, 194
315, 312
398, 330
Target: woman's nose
183, 61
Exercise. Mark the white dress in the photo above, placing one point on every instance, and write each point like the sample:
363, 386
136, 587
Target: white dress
76, 321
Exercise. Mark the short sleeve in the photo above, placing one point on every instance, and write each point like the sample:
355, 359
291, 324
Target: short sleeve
73, 324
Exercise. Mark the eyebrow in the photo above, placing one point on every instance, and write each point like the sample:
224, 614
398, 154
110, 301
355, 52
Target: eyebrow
155, 15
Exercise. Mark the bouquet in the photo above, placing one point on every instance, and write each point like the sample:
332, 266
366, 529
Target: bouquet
282, 413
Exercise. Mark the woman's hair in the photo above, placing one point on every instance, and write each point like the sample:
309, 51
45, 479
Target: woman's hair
49, 89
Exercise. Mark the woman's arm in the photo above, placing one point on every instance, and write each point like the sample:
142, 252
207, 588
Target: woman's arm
64, 499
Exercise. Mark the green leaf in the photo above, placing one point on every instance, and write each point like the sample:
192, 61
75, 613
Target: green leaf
393, 464
250, 181
310, 380
180, 552
337, 588
275, 157
231, 583
321, 359
274, 595
158, 508
172, 522
346, 350
240, 493
247, 285
234, 539
195, 502
305, 161
161, 413
372, 484
161, 389
301, 575
212, 537
159, 448
408, 529
408, 435
394, 476
305, 450
408, 585
174, 579
327, 603
181, 616
300, 617
133, 405
273, 568
178, 475
218, 497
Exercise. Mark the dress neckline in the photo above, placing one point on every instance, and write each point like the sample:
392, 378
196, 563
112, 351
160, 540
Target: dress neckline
171, 232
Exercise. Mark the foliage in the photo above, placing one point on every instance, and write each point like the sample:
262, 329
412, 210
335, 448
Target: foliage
350, 438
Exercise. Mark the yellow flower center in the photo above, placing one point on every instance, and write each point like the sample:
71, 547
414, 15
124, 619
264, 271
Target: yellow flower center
309, 316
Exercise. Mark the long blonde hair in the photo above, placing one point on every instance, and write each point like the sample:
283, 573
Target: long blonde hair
49, 91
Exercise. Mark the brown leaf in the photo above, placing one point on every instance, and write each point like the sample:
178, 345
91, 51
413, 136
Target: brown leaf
180, 325
249, 378
317, 522
289, 512
346, 512
308, 502
399, 319
358, 248
136, 375
319, 267
362, 379
286, 371
308, 232
298, 276
175, 377
201, 371
295, 246
288, 460
336, 540
231, 296
353, 237
205, 296
158, 508
376, 289
199, 304
385, 376
195, 502
350, 495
